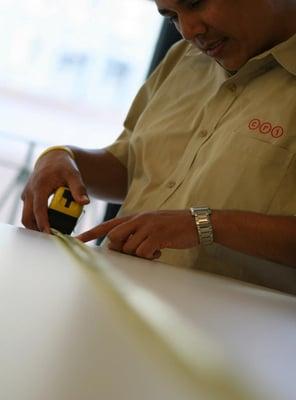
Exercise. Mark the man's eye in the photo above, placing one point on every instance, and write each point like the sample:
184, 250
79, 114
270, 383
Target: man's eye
194, 3
191, 5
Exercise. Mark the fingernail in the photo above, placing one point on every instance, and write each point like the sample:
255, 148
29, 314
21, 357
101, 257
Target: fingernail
85, 198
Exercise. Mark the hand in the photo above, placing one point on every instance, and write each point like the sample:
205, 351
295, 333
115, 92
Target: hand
53, 170
145, 234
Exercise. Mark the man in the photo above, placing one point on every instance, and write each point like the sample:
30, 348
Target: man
214, 126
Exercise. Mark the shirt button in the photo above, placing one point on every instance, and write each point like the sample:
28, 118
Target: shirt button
171, 184
203, 133
232, 87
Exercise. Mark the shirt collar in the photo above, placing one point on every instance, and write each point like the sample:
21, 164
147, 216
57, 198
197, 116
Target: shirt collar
283, 53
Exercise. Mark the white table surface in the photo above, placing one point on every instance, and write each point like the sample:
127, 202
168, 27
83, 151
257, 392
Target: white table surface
62, 339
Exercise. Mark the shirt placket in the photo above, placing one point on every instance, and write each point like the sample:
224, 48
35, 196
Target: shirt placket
213, 112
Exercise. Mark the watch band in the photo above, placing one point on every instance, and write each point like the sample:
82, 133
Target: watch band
203, 224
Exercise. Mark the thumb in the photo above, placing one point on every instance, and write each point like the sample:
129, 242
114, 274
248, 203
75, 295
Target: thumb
78, 190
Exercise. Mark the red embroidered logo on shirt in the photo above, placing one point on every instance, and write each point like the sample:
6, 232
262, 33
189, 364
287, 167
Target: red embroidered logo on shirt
266, 128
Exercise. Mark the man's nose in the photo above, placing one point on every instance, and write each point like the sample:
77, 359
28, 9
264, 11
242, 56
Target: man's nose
190, 25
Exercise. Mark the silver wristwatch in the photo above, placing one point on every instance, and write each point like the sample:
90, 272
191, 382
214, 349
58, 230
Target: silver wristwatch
203, 224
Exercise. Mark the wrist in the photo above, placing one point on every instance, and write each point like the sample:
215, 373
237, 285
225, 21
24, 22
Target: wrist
56, 148
202, 219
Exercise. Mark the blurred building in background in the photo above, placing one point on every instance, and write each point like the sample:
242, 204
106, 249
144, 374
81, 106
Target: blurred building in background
68, 72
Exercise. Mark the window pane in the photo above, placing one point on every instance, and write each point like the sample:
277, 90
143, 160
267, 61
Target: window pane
68, 72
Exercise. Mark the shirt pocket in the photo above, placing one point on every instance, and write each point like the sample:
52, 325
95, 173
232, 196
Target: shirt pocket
238, 171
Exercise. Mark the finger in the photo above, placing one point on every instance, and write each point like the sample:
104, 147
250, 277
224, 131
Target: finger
28, 219
133, 242
119, 241
148, 250
101, 230
78, 189
156, 254
41, 211
115, 246
120, 234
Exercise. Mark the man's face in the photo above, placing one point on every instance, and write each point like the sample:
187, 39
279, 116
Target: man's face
230, 31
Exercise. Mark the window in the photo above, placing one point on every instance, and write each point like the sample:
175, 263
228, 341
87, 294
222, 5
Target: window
68, 72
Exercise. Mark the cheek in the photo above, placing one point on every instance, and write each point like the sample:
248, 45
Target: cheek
250, 44
242, 37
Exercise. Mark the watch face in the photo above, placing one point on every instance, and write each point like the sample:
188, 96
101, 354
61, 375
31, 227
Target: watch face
197, 210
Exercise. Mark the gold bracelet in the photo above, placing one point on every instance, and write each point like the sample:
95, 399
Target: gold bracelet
52, 148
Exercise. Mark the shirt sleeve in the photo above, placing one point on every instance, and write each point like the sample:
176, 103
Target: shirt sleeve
120, 148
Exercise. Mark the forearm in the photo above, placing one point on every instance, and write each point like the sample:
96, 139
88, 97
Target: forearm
269, 237
104, 175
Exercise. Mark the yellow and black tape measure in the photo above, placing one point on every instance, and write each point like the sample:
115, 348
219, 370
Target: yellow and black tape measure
63, 211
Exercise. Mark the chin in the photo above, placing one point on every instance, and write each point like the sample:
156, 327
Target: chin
232, 65
234, 58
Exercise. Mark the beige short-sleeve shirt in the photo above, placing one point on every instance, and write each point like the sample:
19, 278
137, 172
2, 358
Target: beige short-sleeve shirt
196, 135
